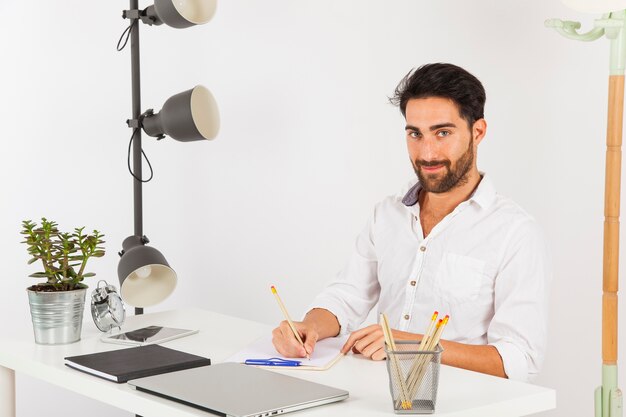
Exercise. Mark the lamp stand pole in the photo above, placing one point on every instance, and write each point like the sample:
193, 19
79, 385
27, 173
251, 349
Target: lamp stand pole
136, 110
136, 107
608, 397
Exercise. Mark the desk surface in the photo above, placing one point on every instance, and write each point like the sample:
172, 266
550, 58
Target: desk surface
461, 393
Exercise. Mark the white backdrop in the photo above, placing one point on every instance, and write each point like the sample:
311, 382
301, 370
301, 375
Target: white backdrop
308, 145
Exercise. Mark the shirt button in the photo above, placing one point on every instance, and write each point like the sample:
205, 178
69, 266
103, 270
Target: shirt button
406, 316
413, 283
423, 248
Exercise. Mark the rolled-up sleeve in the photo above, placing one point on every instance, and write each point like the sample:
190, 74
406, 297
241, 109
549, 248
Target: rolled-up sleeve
518, 329
354, 292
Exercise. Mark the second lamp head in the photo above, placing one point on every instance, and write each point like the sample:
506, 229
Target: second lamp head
187, 116
181, 13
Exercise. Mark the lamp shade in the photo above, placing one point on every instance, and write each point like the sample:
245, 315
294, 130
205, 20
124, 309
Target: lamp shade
145, 276
184, 13
596, 6
187, 116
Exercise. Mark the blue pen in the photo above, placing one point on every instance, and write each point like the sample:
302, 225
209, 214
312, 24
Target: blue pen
272, 362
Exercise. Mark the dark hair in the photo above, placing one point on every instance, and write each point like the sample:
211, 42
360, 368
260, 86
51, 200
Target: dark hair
443, 80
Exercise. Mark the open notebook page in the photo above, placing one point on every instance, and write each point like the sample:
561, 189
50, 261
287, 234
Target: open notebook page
325, 354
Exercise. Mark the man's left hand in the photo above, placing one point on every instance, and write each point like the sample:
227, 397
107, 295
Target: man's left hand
370, 341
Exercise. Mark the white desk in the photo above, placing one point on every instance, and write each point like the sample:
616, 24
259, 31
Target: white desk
461, 393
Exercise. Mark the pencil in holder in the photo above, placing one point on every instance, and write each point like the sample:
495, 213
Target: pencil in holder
413, 377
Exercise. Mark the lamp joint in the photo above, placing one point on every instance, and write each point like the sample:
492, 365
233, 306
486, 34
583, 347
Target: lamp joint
145, 240
148, 18
133, 123
137, 123
147, 113
131, 14
121, 253
143, 15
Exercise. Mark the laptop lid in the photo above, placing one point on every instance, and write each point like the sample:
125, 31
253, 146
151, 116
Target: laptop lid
233, 389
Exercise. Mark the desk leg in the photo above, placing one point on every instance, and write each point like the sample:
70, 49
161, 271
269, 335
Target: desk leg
7, 392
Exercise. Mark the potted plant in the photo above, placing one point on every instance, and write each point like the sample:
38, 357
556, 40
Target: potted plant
57, 305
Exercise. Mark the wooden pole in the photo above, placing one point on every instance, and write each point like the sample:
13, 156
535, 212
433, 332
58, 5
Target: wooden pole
608, 397
611, 219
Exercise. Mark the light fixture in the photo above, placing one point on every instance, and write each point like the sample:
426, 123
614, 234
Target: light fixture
187, 116
146, 277
180, 13
608, 397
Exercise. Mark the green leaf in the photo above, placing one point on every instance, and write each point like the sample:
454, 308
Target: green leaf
33, 260
39, 275
89, 274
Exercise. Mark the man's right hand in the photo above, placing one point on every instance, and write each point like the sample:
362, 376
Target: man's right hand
286, 343
318, 324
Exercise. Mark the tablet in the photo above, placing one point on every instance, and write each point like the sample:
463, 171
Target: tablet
147, 335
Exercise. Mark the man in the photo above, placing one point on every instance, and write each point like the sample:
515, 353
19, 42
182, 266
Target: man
448, 243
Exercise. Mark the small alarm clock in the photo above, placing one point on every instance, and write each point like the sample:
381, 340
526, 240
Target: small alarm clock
107, 307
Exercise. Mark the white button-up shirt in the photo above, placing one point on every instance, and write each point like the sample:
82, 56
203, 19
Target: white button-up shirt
485, 264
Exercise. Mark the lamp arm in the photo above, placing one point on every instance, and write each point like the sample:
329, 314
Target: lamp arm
147, 15
569, 29
150, 17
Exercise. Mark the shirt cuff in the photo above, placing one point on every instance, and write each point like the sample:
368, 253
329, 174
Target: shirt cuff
513, 359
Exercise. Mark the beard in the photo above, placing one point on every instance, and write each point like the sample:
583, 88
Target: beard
454, 175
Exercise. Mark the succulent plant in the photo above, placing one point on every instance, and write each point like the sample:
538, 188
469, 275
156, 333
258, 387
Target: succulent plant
63, 256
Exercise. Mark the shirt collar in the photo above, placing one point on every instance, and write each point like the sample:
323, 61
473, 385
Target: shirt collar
483, 195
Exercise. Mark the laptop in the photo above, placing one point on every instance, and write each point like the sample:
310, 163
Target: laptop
237, 390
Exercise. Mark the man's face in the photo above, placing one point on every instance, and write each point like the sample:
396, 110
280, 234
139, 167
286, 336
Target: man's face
441, 145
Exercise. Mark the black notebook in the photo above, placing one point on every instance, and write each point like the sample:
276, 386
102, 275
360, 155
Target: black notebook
136, 362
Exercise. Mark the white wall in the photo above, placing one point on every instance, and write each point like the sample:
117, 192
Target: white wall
308, 145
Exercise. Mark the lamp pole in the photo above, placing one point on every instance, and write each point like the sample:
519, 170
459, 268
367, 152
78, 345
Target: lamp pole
608, 397
136, 113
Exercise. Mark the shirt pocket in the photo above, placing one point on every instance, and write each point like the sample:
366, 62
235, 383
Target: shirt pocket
459, 278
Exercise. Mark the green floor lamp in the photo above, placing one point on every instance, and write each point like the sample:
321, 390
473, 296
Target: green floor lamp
608, 397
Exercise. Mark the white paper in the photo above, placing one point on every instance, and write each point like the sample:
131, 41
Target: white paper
324, 353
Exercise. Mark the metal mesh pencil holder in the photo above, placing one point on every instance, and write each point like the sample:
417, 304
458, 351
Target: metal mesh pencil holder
413, 377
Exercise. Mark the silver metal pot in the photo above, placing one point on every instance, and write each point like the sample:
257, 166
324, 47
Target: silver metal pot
57, 316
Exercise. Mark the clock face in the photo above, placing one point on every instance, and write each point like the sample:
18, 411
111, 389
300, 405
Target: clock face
116, 307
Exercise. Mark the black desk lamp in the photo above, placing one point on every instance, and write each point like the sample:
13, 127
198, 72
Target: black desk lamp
145, 275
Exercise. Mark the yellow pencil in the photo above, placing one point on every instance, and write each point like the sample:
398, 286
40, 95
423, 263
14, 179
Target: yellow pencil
428, 335
404, 401
429, 332
286, 314
432, 344
419, 367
